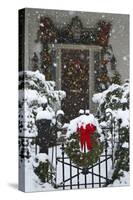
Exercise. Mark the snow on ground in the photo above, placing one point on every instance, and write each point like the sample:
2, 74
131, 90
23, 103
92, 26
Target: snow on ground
32, 182
67, 172
123, 181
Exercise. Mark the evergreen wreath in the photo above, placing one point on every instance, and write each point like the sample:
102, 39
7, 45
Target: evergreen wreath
83, 158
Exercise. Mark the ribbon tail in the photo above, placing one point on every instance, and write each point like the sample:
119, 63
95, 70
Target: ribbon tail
89, 144
82, 141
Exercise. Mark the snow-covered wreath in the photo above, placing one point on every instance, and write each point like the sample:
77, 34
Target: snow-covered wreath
83, 144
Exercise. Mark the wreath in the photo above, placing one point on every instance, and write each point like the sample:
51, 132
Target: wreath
83, 151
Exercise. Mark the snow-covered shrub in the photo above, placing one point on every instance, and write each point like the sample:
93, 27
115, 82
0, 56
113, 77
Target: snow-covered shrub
35, 94
116, 101
38, 99
41, 167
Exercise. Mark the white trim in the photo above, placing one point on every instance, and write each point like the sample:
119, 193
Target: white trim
75, 46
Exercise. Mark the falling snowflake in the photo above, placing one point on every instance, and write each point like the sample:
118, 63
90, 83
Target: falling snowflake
55, 64
113, 30
125, 58
41, 24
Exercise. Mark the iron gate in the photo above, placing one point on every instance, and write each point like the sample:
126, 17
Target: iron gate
70, 176
67, 175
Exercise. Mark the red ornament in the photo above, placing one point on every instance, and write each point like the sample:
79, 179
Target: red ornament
85, 135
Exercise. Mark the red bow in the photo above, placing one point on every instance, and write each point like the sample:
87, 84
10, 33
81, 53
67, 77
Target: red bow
85, 135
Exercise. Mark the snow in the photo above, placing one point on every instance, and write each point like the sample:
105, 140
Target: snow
99, 98
123, 181
82, 120
115, 101
34, 75
67, 175
37, 93
113, 30
125, 58
103, 124
40, 157
32, 182
32, 98
87, 112
25, 122
120, 114
55, 64
59, 112
66, 125
124, 116
81, 111
32, 95
123, 100
44, 115
41, 24
125, 145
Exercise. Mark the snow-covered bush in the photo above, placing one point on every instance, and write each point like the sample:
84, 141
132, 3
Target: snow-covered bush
116, 101
38, 99
35, 95
41, 166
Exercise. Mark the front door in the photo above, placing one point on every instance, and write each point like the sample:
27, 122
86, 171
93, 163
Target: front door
75, 81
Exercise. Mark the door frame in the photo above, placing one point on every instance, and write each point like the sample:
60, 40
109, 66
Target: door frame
91, 48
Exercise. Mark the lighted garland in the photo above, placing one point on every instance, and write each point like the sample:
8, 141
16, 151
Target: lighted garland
74, 33
83, 159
